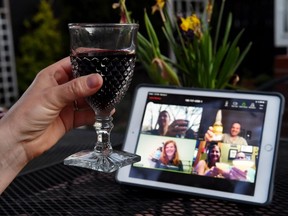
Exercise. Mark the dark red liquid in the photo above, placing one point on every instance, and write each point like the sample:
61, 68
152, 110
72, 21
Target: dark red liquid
116, 69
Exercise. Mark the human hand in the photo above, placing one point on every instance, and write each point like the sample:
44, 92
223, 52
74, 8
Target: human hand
237, 174
213, 171
45, 112
178, 128
211, 136
155, 155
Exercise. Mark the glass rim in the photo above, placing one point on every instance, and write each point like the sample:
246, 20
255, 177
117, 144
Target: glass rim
101, 24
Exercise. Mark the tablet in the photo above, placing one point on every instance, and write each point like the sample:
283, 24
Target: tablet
216, 143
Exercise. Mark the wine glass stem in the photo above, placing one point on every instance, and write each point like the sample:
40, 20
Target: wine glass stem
103, 127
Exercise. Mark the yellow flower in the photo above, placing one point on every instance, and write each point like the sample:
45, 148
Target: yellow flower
161, 3
195, 22
158, 6
191, 23
185, 24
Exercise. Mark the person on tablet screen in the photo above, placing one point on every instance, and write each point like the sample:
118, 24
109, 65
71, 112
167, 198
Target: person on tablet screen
178, 128
169, 158
231, 138
208, 167
242, 170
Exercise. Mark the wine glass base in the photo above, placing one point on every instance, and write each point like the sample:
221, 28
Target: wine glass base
102, 163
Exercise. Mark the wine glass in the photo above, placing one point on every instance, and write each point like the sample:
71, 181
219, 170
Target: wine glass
109, 50
223, 166
243, 165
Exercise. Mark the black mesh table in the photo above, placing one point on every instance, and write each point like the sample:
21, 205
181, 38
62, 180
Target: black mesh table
47, 187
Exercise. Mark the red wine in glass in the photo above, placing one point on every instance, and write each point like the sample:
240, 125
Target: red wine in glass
116, 69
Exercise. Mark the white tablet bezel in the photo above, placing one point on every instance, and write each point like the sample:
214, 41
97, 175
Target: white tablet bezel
267, 156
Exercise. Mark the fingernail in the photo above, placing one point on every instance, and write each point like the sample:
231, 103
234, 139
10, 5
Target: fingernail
93, 81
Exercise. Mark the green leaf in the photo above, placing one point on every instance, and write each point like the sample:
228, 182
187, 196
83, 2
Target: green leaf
227, 69
227, 30
218, 60
152, 35
242, 56
219, 25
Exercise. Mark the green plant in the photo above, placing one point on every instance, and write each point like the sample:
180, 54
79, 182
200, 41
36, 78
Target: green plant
201, 59
40, 46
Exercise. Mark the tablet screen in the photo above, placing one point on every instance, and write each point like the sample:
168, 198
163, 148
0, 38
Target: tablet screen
216, 143
200, 141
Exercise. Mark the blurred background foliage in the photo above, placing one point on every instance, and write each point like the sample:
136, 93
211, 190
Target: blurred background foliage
40, 46
45, 36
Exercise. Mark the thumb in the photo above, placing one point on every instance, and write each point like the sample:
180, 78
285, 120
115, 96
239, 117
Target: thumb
78, 88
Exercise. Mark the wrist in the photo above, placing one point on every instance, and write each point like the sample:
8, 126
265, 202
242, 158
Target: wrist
12, 157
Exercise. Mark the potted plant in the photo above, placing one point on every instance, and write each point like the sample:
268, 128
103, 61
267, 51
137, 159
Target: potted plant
201, 58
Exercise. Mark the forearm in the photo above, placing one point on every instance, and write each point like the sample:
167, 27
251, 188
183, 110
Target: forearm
12, 158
